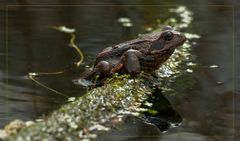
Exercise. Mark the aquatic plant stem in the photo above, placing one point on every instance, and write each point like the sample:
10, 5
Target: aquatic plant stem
32, 75
71, 31
72, 44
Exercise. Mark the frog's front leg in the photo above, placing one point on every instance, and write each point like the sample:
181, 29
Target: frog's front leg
130, 61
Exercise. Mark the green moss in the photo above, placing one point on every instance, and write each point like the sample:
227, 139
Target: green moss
91, 113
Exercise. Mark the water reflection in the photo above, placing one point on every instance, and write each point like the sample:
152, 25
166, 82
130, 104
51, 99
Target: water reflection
35, 47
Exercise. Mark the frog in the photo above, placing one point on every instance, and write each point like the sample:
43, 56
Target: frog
145, 54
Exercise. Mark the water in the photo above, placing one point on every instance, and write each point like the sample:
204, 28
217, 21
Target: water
33, 46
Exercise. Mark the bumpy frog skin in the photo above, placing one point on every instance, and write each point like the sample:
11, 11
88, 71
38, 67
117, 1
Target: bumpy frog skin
146, 53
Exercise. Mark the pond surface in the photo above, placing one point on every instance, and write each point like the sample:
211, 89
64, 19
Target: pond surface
33, 46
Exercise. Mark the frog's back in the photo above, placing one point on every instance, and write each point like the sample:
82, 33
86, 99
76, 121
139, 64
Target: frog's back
113, 54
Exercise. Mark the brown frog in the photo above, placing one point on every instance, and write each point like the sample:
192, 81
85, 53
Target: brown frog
146, 53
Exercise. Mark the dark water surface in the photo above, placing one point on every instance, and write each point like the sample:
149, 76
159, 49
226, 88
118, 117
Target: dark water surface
33, 46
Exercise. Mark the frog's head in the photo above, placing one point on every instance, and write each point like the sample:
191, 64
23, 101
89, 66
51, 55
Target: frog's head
168, 39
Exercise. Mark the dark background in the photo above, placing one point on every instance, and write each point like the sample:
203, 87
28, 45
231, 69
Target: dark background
33, 46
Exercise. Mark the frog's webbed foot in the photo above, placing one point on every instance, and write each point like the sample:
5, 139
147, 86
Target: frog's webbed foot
130, 61
150, 79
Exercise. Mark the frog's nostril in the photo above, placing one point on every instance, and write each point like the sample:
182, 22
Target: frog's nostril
184, 37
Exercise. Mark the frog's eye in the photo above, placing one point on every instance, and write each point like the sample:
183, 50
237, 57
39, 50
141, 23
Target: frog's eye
167, 36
